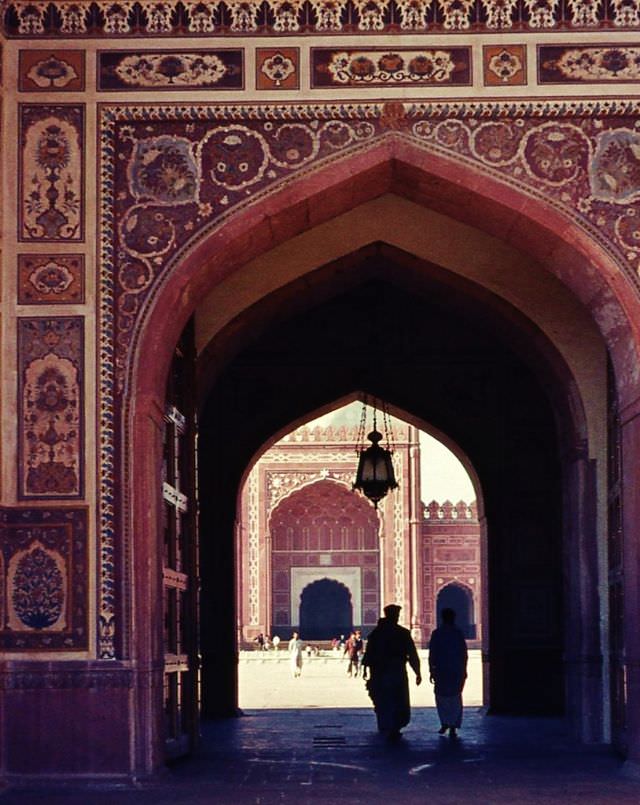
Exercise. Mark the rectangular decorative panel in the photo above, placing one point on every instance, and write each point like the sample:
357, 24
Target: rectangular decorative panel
504, 65
51, 71
51, 173
384, 67
588, 64
43, 579
277, 68
50, 407
50, 279
170, 69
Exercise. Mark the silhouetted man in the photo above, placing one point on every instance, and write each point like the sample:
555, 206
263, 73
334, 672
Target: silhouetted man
448, 671
389, 648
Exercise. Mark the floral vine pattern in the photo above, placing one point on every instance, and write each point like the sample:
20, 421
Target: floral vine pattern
50, 361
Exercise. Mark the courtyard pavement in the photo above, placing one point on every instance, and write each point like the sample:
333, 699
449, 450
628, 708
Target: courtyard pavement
331, 753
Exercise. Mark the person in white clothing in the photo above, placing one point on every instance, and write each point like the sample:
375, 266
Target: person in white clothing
295, 654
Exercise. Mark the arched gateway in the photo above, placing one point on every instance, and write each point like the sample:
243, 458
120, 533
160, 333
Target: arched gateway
475, 264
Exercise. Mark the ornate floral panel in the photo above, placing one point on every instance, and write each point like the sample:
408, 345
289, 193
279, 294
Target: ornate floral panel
51, 71
49, 279
51, 173
43, 579
588, 64
127, 18
50, 407
380, 67
170, 69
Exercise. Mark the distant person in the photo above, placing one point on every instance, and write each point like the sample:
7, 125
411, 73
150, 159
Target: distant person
295, 655
389, 648
353, 649
448, 671
259, 641
276, 642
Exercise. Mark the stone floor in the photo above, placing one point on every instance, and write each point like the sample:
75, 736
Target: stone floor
324, 754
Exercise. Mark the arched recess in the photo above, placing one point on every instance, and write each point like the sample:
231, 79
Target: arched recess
464, 194
459, 598
326, 610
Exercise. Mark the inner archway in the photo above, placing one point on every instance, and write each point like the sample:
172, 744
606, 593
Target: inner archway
326, 610
459, 599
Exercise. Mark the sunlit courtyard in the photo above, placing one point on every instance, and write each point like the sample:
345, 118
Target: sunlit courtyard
266, 682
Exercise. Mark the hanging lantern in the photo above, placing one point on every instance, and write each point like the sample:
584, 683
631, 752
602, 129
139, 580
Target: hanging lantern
375, 475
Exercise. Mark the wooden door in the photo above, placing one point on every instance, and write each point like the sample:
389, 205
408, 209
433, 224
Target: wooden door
617, 668
180, 559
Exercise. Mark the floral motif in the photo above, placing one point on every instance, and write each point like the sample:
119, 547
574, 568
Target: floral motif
52, 72
234, 157
158, 16
162, 69
371, 14
43, 279
201, 16
457, 14
38, 589
413, 14
163, 169
403, 66
589, 63
628, 229
52, 165
556, 153
615, 169
542, 13
278, 68
74, 17
293, 145
626, 13
50, 401
51, 278
328, 14
244, 15
116, 17
585, 13
499, 13
505, 65
496, 143
147, 232
286, 14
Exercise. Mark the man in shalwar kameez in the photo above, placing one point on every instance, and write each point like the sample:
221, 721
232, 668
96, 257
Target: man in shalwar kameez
448, 671
389, 648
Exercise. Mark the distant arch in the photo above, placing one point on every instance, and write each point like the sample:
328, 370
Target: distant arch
326, 610
459, 598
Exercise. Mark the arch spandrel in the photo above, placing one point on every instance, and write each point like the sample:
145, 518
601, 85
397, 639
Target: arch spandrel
144, 310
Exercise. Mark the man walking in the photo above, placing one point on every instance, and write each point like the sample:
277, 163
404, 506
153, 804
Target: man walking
448, 671
389, 648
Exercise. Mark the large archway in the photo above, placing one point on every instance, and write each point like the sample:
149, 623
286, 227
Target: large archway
563, 407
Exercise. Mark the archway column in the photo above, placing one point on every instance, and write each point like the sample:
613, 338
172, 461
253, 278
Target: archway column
583, 653
630, 439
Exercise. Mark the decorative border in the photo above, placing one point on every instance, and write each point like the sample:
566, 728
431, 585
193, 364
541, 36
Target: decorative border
500, 139
127, 18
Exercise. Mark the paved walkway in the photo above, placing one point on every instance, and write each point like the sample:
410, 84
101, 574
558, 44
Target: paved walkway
324, 755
